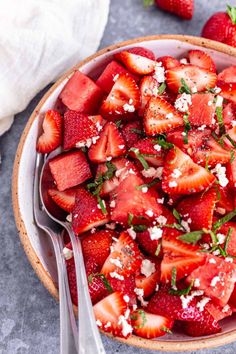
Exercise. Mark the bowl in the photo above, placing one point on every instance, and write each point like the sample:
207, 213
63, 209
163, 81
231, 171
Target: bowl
37, 247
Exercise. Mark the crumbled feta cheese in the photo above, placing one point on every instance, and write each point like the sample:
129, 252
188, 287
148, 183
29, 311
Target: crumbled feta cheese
140, 292
169, 115
194, 89
219, 101
116, 77
121, 147
147, 268
226, 308
155, 233
216, 253
202, 303
221, 238
153, 172
220, 172
144, 189
159, 73
94, 139
129, 107
132, 233
210, 103
116, 262
233, 122
93, 230
111, 226
157, 287
67, 253
116, 275
215, 280
176, 173
206, 246
126, 327
188, 298
149, 213
161, 219
98, 126
221, 211
185, 225
212, 260
157, 147
69, 218
160, 200
229, 259
217, 89
126, 298
112, 204
173, 184
197, 283
86, 143
202, 127
107, 325
183, 102
109, 158
183, 61
99, 323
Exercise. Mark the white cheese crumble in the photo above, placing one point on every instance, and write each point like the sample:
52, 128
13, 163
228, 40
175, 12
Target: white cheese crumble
219, 101
155, 233
226, 308
183, 61
67, 253
221, 211
103, 202
169, 115
202, 303
221, 238
216, 253
111, 226
144, 189
233, 122
149, 213
210, 103
229, 259
116, 275
86, 143
173, 184
188, 298
69, 218
176, 173
220, 172
107, 325
116, 262
132, 233
126, 327
215, 280
196, 283
126, 298
129, 107
217, 89
157, 147
194, 89
140, 292
147, 267
109, 158
153, 172
160, 200
116, 77
212, 261
99, 323
161, 219
159, 73
183, 102
112, 204
202, 127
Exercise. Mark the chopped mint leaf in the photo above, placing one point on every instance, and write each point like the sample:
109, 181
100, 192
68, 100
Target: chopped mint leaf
130, 219
165, 329
161, 140
174, 226
161, 88
228, 237
177, 215
139, 228
217, 225
187, 127
184, 87
106, 282
147, 3
118, 123
150, 184
173, 277
185, 291
231, 11
140, 158
191, 237
137, 131
230, 140
219, 114
102, 205
232, 156
158, 250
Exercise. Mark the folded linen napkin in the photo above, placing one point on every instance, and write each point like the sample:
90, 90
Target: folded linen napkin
39, 40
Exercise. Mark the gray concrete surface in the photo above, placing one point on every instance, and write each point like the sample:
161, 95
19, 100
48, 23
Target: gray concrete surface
29, 317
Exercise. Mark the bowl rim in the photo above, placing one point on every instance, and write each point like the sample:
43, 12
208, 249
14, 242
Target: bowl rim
168, 345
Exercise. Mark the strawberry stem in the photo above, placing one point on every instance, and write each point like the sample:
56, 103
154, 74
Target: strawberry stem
231, 11
147, 3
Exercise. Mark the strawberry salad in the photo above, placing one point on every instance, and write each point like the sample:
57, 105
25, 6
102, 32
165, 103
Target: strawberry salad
147, 177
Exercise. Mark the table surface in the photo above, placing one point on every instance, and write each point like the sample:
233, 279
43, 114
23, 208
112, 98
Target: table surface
29, 316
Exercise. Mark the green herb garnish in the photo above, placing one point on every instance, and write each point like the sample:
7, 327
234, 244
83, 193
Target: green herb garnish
187, 127
139, 228
140, 158
130, 218
227, 239
147, 3
230, 140
150, 184
185, 291
161, 140
161, 88
191, 237
217, 225
173, 277
177, 215
231, 11
104, 280
137, 131
184, 87
219, 114
118, 123
158, 250
165, 329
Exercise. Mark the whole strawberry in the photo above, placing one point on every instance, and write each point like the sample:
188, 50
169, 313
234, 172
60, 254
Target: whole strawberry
181, 8
222, 27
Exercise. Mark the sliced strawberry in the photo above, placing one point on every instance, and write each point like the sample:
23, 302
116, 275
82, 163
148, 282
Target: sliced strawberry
184, 257
110, 144
148, 88
97, 246
192, 178
108, 312
148, 284
194, 77
206, 326
202, 109
228, 74
198, 209
123, 100
143, 52
217, 312
229, 113
124, 259
231, 243
181, 8
136, 64
216, 278
168, 62
228, 90
147, 325
79, 129
69, 169
81, 94
232, 133
86, 213
131, 133
125, 286
109, 75
152, 152
130, 200
65, 199
160, 117
90, 265
225, 200
98, 287
146, 244
164, 304
51, 137
202, 59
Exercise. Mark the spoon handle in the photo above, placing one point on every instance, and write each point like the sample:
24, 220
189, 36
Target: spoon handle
89, 339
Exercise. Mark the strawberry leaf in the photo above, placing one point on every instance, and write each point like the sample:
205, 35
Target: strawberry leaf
147, 3
231, 11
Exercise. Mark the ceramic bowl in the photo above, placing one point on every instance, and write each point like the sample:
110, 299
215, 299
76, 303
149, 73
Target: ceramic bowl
35, 243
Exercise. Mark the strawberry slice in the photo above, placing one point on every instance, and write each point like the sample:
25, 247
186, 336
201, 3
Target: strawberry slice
69, 169
110, 315
110, 144
182, 256
231, 244
97, 246
205, 327
202, 109
123, 100
181, 8
229, 113
225, 202
164, 304
146, 244
81, 94
149, 283
194, 77
168, 62
86, 213
65, 199
130, 199
143, 52
79, 129
147, 325
198, 209
124, 259
111, 72
228, 90
148, 88
216, 278
232, 300
136, 64
51, 137
160, 116
126, 286
151, 151
98, 286
182, 176
228, 74
131, 133
202, 59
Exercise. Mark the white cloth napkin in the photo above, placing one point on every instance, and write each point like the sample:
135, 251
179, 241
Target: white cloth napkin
39, 40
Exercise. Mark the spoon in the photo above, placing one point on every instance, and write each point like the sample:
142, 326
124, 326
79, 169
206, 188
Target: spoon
89, 339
